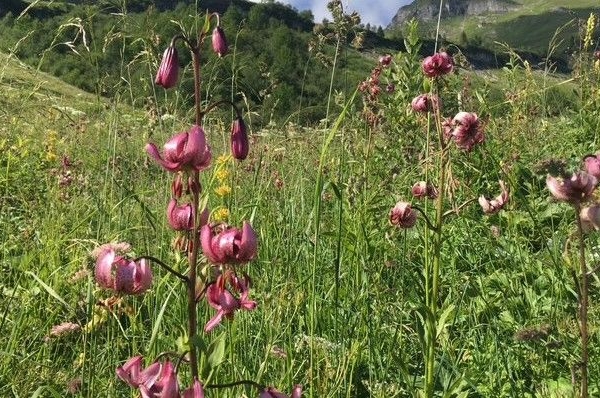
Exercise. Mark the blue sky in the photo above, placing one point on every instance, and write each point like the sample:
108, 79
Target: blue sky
375, 12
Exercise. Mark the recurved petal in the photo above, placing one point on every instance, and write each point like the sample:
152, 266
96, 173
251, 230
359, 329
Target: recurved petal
167, 164
143, 277
206, 240
130, 371
248, 244
104, 269
196, 391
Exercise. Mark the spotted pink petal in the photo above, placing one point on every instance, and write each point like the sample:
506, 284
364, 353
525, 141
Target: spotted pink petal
104, 269
130, 371
152, 150
248, 244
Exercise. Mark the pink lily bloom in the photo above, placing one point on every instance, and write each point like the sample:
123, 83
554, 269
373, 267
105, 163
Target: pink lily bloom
402, 215
270, 392
493, 206
591, 164
122, 275
425, 103
166, 386
574, 190
222, 244
184, 151
437, 64
467, 130
424, 189
590, 218
132, 374
385, 60
226, 304
181, 218
195, 391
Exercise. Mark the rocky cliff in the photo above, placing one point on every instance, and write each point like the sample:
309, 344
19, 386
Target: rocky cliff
427, 10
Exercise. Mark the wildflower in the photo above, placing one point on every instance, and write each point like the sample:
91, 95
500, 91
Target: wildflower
424, 189
122, 275
221, 214
591, 164
64, 328
437, 64
181, 218
166, 386
223, 300
390, 88
187, 150
270, 392
425, 103
169, 68
590, 217
385, 60
131, 372
223, 190
219, 43
402, 215
467, 130
574, 190
195, 391
493, 206
239, 139
222, 244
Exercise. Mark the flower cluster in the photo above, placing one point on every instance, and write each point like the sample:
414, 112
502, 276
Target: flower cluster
371, 88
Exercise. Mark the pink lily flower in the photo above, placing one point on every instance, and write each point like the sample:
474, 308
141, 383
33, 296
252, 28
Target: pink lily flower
493, 206
239, 139
574, 190
271, 392
132, 374
437, 64
166, 386
226, 304
222, 244
168, 70
219, 43
402, 215
467, 130
184, 151
195, 391
122, 275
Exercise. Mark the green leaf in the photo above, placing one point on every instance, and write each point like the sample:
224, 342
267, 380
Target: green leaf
206, 27
48, 289
216, 352
442, 321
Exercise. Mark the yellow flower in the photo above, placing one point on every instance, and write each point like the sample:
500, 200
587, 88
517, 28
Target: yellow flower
223, 159
222, 175
223, 190
221, 214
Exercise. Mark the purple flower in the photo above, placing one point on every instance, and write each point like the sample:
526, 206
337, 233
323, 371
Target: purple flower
166, 386
574, 190
223, 300
425, 103
493, 206
195, 391
270, 392
591, 164
467, 131
169, 68
424, 189
219, 43
385, 60
184, 151
402, 215
222, 244
437, 64
122, 275
181, 218
239, 139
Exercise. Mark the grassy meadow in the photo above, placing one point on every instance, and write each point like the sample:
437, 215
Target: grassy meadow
340, 291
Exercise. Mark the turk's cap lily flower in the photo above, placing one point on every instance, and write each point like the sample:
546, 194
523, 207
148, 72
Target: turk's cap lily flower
424, 189
166, 386
195, 391
437, 64
271, 392
467, 130
121, 274
493, 206
575, 190
168, 70
221, 298
181, 218
590, 218
425, 103
219, 42
591, 164
403, 215
184, 151
385, 60
239, 139
131, 372
222, 244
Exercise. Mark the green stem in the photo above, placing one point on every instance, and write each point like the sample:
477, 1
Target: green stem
583, 306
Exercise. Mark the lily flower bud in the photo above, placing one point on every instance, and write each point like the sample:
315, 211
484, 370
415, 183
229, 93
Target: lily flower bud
402, 215
219, 43
239, 139
169, 68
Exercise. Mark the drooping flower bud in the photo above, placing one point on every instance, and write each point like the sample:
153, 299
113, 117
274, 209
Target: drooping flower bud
437, 64
219, 42
169, 68
239, 139
184, 151
121, 274
425, 103
402, 215
424, 189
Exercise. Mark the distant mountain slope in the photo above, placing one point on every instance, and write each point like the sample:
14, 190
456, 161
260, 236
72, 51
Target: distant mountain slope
527, 25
